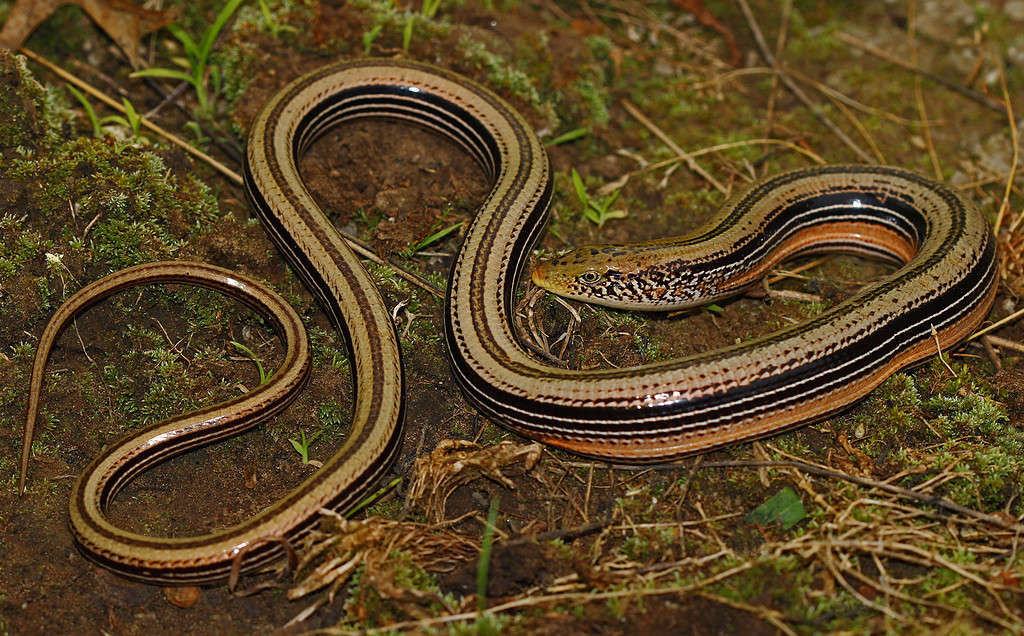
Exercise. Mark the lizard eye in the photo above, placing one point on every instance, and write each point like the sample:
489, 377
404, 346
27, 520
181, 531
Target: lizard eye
589, 277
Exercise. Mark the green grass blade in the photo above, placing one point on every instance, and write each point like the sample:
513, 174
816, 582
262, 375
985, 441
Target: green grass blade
192, 51
369, 499
430, 8
115, 119
252, 356
210, 36
164, 73
187, 43
407, 34
581, 190
483, 566
432, 238
97, 130
134, 119
572, 135
370, 36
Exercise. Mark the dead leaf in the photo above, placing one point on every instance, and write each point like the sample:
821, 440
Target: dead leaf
586, 27
708, 19
124, 21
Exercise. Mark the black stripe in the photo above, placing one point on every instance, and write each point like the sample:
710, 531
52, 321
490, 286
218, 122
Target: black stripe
817, 210
434, 112
784, 388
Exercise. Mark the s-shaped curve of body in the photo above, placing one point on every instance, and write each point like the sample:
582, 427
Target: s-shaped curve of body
650, 413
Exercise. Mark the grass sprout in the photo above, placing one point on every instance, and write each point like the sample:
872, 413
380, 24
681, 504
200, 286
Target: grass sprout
302, 444
264, 376
565, 138
430, 239
596, 209
483, 566
275, 26
370, 36
427, 12
196, 64
131, 120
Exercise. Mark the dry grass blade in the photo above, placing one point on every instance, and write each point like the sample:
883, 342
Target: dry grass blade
888, 536
456, 462
384, 548
1011, 119
919, 94
945, 83
793, 88
682, 154
933, 500
997, 324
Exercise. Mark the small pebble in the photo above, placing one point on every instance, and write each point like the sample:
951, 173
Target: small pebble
183, 597
1014, 10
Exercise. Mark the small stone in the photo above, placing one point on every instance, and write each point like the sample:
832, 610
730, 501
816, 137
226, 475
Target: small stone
183, 597
1015, 10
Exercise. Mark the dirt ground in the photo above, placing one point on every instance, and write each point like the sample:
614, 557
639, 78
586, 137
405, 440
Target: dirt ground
908, 508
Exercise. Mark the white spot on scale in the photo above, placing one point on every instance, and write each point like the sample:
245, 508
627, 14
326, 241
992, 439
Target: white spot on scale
234, 282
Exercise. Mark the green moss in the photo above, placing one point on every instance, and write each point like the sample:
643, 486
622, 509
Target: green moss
390, 509
30, 115
287, 17
369, 608
501, 74
974, 435
23, 351
326, 348
812, 44
128, 193
485, 625
163, 394
594, 97
650, 348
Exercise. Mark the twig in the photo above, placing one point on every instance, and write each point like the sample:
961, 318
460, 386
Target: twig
775, 617
793, 271
792, 86
790, 294
685, 156
565, 533
999, 323
919, 94
100, 95
82, 343
1015, 141
1005, 343
578, 597
938, 349
646, 167
990, 351
861, 129
780, 43
837, 96
953, 86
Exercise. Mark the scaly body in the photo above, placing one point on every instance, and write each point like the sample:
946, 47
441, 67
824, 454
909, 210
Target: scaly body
650, 413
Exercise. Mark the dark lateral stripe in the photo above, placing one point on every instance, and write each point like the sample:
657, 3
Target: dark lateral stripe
383, 100
790, 387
